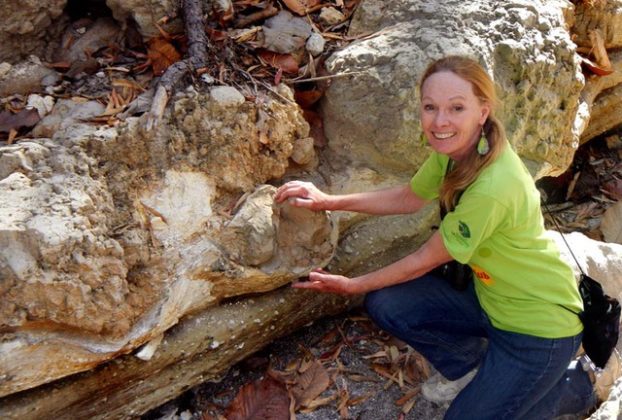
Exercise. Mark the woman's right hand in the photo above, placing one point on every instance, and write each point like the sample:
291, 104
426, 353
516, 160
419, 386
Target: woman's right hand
303, 194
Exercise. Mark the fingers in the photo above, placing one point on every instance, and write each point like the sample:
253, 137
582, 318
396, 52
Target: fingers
291, 189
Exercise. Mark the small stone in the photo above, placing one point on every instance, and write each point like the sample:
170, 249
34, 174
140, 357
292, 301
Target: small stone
303, 151
5, 68
315, 44
330, 16
227, 96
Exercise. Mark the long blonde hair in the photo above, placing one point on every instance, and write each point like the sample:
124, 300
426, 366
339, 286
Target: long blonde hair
466, 170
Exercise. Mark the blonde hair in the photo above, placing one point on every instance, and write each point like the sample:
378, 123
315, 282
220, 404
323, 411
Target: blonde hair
467, 170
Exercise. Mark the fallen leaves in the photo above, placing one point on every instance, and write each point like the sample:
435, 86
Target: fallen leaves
266, 399
161, 54
11, 123
319, 378
301, 7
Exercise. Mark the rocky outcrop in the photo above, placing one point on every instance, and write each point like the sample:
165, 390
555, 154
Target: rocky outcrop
28, 28
110, 236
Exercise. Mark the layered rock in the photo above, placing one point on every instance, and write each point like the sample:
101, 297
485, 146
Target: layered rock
111, 236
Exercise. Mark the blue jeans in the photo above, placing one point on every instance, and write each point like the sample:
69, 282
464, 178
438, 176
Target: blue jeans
519, 376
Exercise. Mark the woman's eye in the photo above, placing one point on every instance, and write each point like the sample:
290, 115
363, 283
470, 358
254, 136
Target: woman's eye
458, 108
428, 107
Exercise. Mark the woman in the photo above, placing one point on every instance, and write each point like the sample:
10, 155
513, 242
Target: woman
504, 343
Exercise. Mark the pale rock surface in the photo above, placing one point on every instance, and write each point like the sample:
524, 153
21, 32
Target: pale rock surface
26, 27
23, 78
611, 223
285, 33
66, 116
372, 118
109, 236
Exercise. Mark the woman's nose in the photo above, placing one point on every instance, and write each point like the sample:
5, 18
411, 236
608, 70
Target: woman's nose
441, 118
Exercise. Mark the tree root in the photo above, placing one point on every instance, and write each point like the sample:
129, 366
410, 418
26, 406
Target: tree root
198, 46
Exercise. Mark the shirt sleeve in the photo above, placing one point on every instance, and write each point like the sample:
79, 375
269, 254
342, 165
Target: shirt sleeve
474, 220
427, 181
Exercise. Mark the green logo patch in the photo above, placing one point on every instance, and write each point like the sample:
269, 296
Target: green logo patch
464, 230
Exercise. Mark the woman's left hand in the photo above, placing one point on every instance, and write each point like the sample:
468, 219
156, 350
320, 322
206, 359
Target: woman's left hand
323, 281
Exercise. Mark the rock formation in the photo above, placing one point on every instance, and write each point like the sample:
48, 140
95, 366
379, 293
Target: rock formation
116, 240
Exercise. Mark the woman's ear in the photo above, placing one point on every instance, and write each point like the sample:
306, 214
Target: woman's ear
485, 112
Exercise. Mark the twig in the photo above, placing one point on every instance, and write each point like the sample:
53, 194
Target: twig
330, 76
269, 11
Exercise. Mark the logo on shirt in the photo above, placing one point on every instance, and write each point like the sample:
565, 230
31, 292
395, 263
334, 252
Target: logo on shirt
482, 275
464, 229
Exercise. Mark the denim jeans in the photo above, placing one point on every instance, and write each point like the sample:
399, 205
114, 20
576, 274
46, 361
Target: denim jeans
519, 376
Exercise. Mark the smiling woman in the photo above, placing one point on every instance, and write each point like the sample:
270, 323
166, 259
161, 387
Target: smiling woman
503, 346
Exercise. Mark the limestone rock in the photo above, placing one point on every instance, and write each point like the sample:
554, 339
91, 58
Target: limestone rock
66, 116
109, 236
27, 28
372, 118
146, 14
200, 348
604, 16
601, 95
23, 78
285, 33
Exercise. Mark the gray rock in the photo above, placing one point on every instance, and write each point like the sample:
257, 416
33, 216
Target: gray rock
315, 44
227, 96
25, 77
285, 33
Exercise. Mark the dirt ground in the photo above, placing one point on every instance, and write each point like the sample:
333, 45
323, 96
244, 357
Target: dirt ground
357, 357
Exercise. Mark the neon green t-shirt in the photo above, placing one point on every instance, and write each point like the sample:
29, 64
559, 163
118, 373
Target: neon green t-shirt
497, 228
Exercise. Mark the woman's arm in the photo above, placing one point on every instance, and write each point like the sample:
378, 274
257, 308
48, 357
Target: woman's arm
397, 200
431, 254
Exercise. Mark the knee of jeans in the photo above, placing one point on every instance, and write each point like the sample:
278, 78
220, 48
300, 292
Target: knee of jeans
382, 308
376, 307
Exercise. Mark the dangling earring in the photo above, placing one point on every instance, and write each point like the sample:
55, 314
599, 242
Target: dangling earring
422, 138
482, 145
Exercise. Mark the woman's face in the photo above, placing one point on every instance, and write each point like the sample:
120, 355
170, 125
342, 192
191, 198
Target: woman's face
451, 115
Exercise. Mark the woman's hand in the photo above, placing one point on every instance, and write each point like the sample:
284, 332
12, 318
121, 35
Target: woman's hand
303, 194
322, 281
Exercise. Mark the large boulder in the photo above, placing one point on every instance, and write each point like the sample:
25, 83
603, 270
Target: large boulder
109, 236
371, 117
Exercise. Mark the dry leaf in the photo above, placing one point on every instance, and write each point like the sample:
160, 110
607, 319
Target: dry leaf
25, 118
300, 7
162, 54
310, 384
595, 68
266, 399
306, 98
316, 125
286, 62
